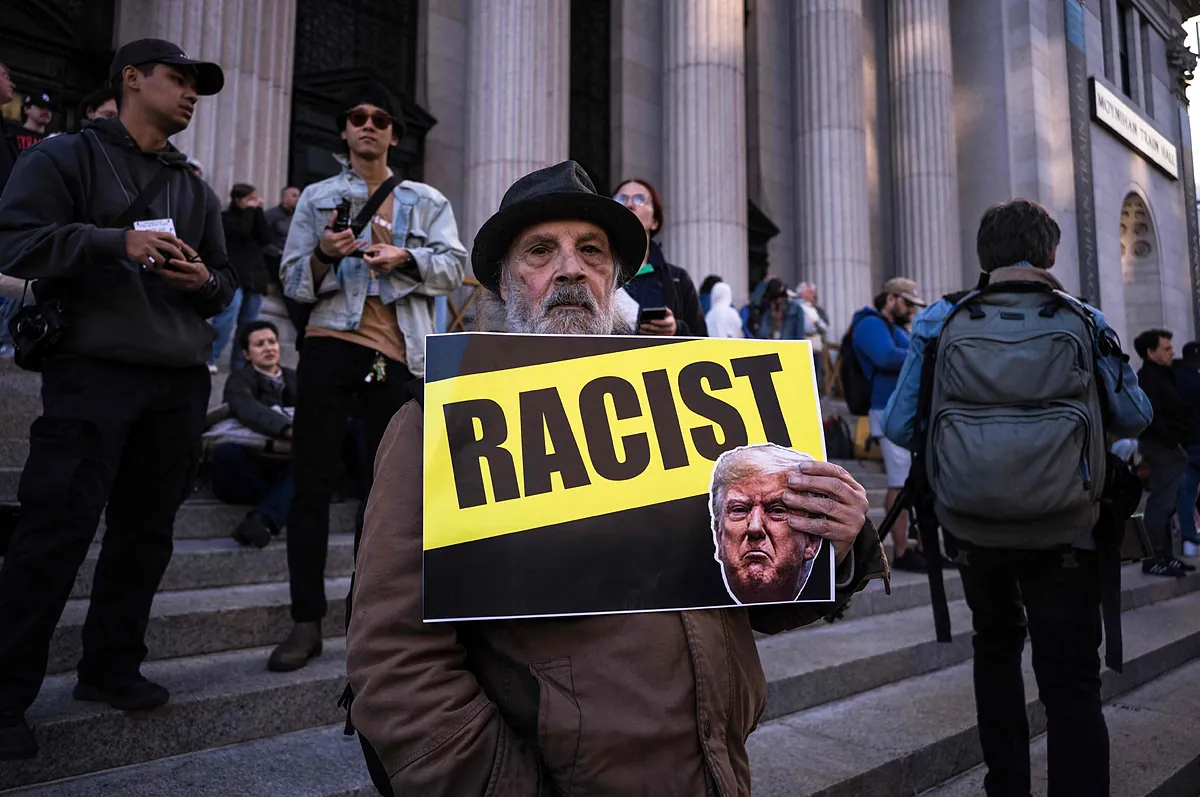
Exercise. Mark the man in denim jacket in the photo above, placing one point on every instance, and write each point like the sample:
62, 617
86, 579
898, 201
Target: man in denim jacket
373, 304
1009, 590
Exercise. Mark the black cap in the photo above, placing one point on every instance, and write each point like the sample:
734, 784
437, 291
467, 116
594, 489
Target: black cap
209, 77
42, 99
1191, 351
559, 192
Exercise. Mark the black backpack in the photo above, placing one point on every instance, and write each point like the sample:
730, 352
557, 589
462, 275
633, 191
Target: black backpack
856, 387
839, 440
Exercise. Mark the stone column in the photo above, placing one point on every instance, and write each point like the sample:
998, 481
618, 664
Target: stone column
518, 91
705, 131
833, 240
240, 135
925, 180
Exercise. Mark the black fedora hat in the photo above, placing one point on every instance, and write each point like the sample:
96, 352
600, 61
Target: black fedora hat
560, 192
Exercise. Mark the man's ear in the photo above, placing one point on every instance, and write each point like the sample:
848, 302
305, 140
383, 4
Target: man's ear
343, 135
813, 547
504, 290
395, 141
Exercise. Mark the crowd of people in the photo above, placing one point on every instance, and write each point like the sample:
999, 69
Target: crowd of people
142, 279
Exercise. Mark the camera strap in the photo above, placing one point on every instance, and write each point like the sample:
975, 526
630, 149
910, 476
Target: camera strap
373, 204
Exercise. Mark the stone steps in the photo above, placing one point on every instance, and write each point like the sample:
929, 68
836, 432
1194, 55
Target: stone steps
216, 699
195, 622
221, 562
319, 762
227, 698
914, 733
1152, 731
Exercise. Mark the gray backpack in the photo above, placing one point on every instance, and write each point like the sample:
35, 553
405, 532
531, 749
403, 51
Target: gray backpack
1015, 443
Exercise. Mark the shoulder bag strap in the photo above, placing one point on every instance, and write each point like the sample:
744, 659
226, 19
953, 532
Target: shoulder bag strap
373, 204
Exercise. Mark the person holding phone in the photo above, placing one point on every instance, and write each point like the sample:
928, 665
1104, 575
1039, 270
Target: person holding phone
665, 294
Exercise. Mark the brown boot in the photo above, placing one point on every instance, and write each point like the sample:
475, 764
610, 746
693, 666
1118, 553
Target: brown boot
302, 644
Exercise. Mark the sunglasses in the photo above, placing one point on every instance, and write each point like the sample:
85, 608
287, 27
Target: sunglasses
637, 199
379, 119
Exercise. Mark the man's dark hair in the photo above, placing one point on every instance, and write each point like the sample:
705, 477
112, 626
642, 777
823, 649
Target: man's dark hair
880, 300
1149, 340
1016, 231
709, 282
287, 188
93, 101
117, 85
249, 328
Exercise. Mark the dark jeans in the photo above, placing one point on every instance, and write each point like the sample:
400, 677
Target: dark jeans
122, 435
330, 375
1167, 465
242, 476
1009, 592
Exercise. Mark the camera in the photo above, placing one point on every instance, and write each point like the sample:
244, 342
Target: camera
341, 222
36, 330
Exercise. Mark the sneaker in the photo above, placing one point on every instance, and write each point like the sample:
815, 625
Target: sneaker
1157, 567
1176, 564
16, 738
212, 368
136, 695
1190, 550
252, 531
912, 561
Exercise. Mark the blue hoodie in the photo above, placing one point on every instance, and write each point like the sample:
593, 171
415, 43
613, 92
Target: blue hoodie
881, 349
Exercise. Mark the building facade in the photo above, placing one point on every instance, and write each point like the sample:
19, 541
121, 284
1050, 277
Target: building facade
839, 141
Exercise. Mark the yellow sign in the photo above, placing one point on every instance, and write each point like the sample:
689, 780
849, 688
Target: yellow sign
536, 441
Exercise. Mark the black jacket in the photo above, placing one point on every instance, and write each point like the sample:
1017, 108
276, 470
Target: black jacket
1173, 414
679, 295
8, 150
55, 219
250, 396
246, 233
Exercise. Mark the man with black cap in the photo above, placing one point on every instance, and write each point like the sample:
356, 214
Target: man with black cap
371, 287
126, 244
37, 112
665, 700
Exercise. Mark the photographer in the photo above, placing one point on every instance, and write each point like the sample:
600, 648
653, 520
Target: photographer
372, 289
127, 250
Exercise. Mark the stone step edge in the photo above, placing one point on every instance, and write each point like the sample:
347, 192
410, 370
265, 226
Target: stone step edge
906, 773
1142, 772
281, 764
791, 689
78, 737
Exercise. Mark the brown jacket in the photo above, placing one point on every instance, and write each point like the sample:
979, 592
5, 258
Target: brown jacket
656, 704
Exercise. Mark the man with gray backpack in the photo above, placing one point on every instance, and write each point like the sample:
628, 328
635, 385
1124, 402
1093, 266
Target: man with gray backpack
1005, 399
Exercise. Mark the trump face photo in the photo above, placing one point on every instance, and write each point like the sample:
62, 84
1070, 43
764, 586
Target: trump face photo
763, 560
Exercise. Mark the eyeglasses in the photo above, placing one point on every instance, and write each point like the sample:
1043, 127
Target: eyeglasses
637, 199
379, 119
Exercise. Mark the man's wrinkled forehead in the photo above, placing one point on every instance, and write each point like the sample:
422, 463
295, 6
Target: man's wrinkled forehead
578, 232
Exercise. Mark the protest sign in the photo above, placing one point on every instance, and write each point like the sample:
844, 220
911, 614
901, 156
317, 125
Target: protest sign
570, 475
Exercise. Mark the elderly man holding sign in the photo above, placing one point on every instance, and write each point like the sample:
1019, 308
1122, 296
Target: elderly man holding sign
571, 477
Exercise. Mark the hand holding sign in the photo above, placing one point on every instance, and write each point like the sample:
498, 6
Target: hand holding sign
841, 505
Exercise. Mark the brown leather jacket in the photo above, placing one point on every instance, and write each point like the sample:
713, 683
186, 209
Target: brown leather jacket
638, 704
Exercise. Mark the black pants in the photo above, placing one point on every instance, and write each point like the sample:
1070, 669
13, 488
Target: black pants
122, 435
1009, 591
330, 375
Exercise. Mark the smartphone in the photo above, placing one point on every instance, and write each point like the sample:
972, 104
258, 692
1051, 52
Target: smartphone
651, 314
